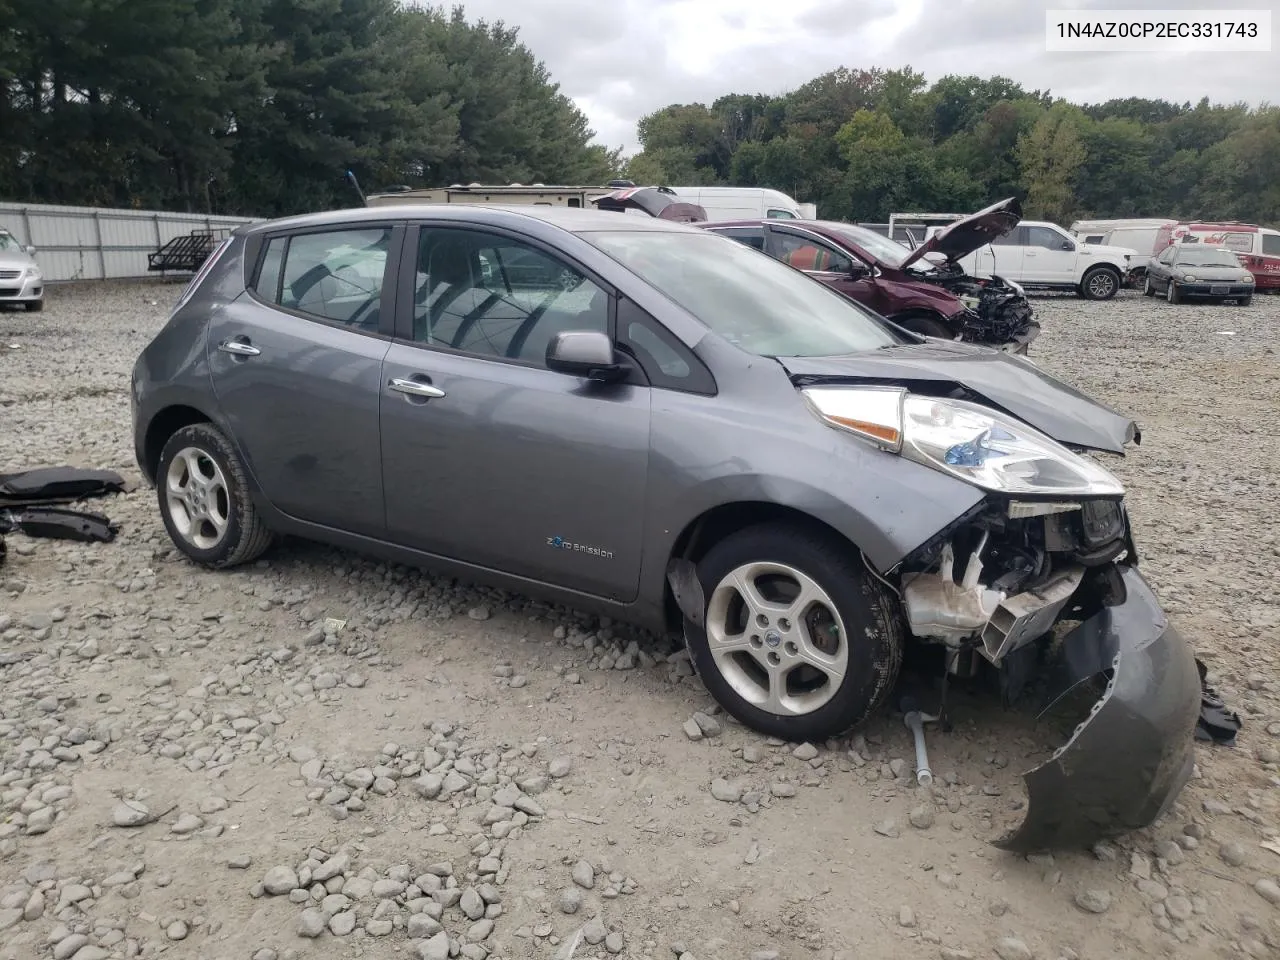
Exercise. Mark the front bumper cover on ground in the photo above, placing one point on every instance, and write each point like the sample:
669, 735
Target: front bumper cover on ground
1127, 762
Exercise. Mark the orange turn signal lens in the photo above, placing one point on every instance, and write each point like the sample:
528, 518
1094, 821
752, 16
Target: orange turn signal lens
879, 431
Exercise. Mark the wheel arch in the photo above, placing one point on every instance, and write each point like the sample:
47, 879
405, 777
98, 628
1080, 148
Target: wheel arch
723, 520
161, 427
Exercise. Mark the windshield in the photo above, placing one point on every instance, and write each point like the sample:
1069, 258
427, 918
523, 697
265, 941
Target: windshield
888, 252
9, 242
753, 301
1193, 256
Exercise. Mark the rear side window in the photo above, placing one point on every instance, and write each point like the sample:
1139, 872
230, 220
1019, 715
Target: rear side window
751, 236
1238, 241
335, 275
1271, 244
776, 214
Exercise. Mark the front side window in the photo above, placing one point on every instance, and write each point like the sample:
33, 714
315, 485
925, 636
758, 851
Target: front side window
757, 303
1044, 237
805, 253
1238, 241
1271, 244
776, 214
490, 295
335, 275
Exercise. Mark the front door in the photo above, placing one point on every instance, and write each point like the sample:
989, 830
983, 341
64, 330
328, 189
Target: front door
1049, 257
823, 261
488, 456
296, 365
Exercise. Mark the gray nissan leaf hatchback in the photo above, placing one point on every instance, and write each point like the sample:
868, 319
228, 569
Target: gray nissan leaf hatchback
641, 418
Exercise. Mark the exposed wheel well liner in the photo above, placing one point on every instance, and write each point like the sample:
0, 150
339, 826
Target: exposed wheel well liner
713, 525
164, 425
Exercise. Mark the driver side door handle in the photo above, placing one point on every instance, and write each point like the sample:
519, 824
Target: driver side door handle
415, 388
239, 346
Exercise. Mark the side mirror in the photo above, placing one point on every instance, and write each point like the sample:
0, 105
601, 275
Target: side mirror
859, 270
1068, 245
584, 353
31, 251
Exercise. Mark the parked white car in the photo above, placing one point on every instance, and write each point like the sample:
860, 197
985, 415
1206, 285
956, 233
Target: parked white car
1042, 255
20, 278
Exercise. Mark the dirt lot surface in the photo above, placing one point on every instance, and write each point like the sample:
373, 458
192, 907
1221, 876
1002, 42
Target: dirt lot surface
322, 756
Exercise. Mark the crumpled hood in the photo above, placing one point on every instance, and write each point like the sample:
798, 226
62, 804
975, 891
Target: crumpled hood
1009, 383
957, 240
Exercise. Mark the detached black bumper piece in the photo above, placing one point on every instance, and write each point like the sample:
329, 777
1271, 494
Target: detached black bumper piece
1127, 762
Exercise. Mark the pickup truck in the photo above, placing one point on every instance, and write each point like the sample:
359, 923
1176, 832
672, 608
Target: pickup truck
1042, 255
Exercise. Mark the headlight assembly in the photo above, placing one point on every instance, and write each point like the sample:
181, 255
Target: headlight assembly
1188, 278
970, 442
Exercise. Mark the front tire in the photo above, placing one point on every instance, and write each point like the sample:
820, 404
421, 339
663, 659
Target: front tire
204, 499
1147, 289
1100, 283
926, 326
34, 306
1171, 292
1245, 301
800, 641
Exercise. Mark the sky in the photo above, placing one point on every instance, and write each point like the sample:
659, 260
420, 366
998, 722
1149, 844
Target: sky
621, 59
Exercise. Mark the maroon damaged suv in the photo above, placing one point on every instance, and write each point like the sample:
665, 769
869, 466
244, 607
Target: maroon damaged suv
925, 294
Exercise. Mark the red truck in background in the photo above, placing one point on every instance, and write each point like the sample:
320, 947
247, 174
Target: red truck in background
1258, 248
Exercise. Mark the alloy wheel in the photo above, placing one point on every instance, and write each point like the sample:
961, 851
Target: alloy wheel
197, 498
1102, 285
777, 638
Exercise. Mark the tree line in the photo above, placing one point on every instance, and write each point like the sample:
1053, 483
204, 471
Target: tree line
862, 144
259, 107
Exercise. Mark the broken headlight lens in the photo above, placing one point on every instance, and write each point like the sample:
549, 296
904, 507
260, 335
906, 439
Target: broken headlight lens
970, 442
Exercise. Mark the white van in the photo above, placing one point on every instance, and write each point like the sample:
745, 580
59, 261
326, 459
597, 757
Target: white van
744, 203
1138, 233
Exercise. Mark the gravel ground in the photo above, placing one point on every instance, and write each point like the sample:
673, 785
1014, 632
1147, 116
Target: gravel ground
324, 756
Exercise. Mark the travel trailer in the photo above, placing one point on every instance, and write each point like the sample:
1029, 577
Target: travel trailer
536, 194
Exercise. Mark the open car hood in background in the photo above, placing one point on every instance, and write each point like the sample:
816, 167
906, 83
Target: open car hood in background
1008, 383
961, 238
657, 202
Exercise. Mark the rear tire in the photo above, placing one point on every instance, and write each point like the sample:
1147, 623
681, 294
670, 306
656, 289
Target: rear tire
804, 671
925, 326
204, 499
34, 306
1099, 283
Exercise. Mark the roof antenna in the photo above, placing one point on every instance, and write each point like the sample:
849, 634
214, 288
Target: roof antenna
356, 183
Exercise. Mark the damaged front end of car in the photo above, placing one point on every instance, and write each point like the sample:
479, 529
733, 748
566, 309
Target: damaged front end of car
1039, 581
996, 311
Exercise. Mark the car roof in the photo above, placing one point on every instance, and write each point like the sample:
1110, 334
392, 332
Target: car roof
570, 219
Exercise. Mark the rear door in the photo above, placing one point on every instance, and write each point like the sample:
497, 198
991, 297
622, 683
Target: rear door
489, 457
296, 365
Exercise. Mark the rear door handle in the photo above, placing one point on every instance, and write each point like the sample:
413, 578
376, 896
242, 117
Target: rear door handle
240, 347
415, 388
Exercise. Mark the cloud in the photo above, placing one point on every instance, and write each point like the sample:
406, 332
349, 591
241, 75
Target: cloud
621, 60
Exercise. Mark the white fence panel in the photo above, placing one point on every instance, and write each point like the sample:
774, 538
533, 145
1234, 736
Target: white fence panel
95, 243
